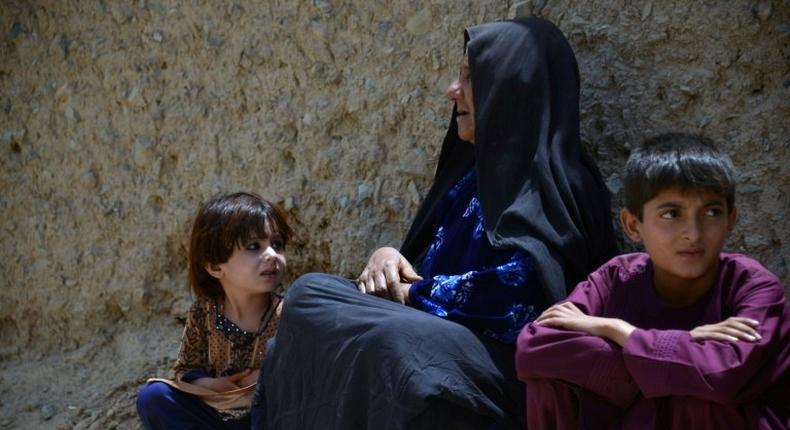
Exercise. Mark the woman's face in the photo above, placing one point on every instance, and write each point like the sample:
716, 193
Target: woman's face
460, 92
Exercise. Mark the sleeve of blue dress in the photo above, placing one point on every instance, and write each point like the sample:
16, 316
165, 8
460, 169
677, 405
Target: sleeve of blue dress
467, 280
490, 300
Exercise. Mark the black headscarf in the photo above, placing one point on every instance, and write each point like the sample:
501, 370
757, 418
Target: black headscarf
539, 190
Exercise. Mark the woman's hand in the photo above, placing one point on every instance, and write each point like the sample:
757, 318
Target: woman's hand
730, 330
388, 274
227, 383
566, 315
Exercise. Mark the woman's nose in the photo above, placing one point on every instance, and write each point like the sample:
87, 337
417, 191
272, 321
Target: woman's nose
453, 90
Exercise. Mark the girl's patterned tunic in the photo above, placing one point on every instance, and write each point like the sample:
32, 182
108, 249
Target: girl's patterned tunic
207, 351
495, 291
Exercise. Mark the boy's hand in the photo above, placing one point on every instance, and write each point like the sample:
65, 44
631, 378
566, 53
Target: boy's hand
566, 315
388, 274
732, 329
224, 383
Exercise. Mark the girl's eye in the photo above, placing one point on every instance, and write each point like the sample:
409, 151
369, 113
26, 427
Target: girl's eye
254, 246
277, 245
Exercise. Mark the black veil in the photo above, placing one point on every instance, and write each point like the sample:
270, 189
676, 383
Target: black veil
539, 190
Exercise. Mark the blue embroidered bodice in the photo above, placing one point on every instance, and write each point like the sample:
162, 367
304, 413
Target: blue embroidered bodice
467, 280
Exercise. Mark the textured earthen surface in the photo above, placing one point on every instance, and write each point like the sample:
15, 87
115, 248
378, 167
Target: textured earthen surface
118, 118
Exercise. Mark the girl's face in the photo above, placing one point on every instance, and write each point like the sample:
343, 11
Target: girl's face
255, 267
460, 92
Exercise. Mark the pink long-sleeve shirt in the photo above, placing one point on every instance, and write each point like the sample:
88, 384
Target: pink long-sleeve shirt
659, 358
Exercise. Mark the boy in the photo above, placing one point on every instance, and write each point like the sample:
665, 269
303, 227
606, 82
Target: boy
683, 336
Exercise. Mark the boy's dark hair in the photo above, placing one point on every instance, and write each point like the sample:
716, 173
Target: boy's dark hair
687, 161
223, 224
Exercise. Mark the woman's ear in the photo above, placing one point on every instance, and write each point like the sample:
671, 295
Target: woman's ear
631, 224
214, 270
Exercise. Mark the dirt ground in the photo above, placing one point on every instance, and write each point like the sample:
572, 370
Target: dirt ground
92, 387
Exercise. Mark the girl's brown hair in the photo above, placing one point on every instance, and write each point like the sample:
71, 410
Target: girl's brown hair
223, 224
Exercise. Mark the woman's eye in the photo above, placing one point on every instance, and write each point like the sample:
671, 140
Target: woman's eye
464, 73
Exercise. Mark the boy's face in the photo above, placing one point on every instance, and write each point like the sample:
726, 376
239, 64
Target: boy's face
684, 233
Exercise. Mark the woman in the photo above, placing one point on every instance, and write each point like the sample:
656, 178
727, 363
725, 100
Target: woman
517, 213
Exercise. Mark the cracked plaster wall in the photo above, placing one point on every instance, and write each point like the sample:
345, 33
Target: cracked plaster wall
118, 118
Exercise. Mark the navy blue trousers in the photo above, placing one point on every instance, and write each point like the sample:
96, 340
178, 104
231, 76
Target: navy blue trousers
161, 406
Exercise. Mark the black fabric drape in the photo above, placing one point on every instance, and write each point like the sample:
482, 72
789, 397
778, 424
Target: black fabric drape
345, 360
539, 190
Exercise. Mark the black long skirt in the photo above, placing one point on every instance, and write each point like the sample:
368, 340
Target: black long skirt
347, 360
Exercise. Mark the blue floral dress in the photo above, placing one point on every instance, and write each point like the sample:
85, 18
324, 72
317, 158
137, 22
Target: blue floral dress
466, 280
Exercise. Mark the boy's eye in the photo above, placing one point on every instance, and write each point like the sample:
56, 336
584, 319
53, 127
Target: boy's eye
713, 212
670, 214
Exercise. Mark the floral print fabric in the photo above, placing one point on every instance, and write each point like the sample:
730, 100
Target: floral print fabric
467, 281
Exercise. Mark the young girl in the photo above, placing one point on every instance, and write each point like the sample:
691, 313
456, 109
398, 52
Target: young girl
236, 263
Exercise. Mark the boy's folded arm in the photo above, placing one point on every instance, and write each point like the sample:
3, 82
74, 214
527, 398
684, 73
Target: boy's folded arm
589, 362
671, 363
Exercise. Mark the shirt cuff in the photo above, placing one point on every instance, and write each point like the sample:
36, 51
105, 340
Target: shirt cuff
415, 291
191, 375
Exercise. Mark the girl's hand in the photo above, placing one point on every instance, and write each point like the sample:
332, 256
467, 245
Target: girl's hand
388, 274
251, 378
732, 329
566, 315
224, 383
